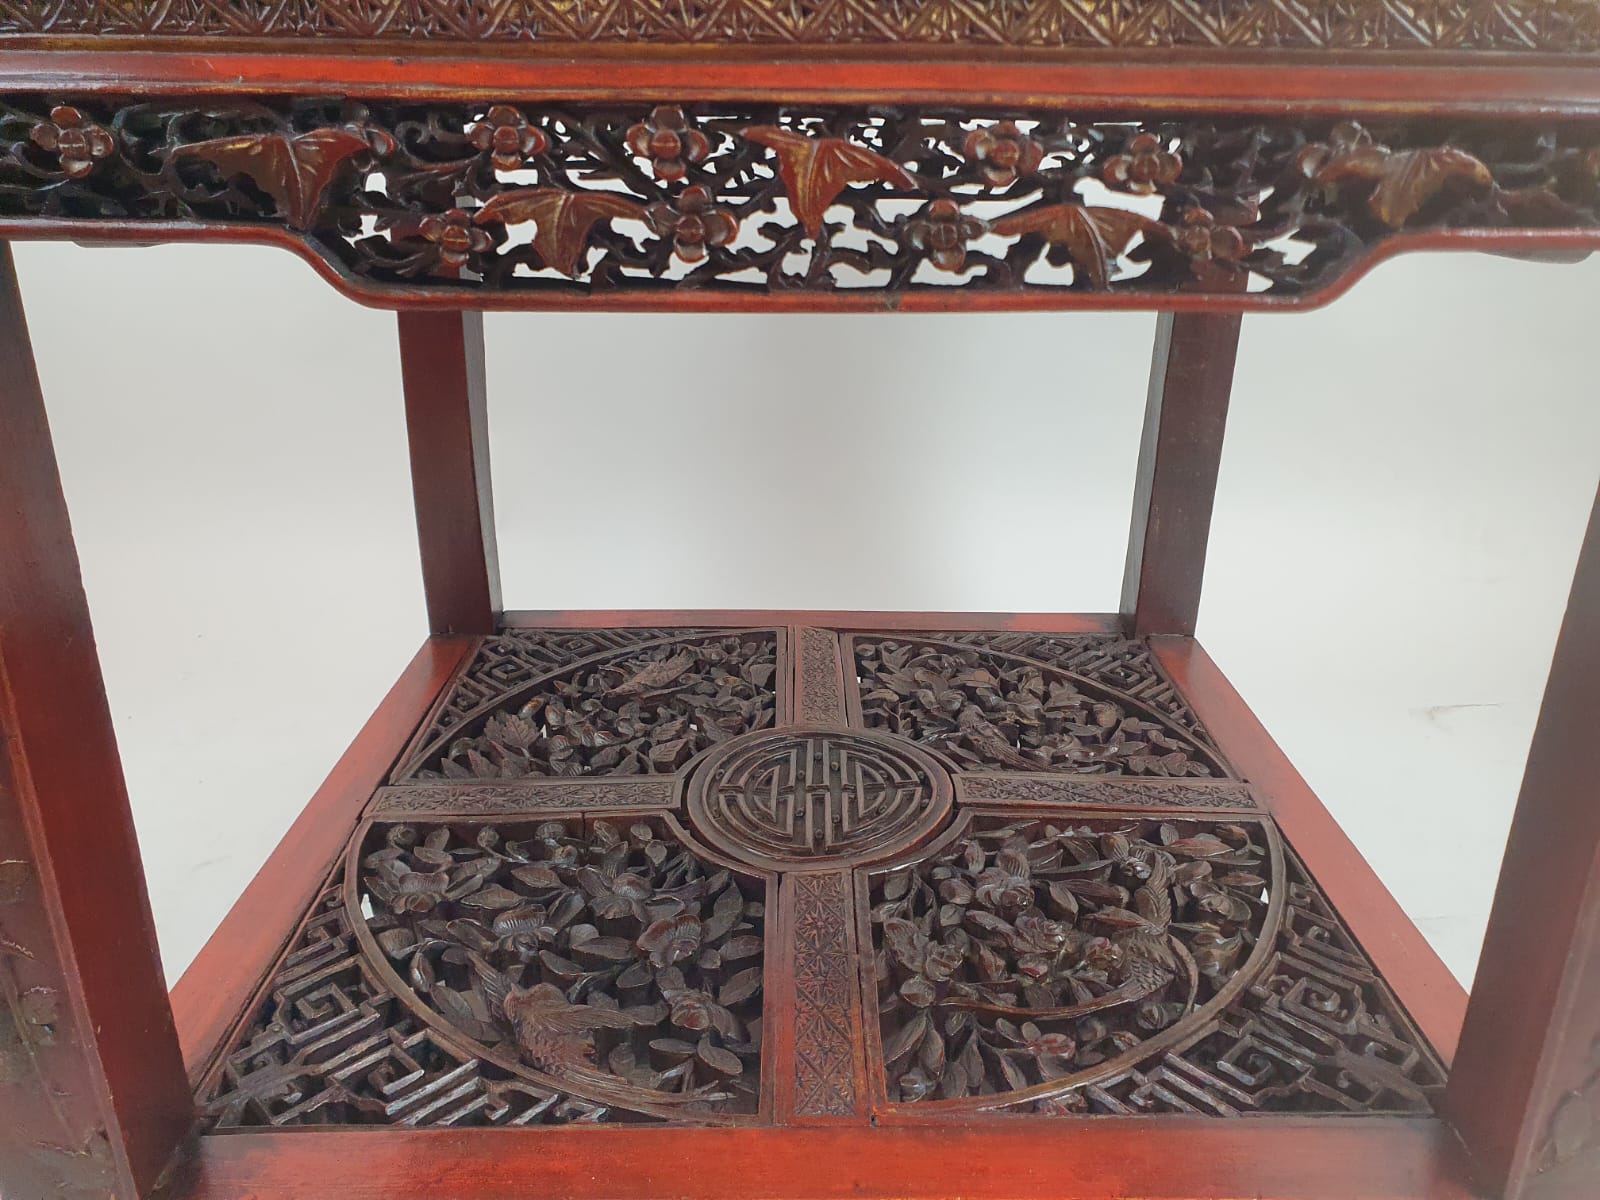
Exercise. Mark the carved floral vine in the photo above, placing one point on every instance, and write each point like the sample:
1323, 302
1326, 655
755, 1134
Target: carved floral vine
1032, 950
612, 958
748, 200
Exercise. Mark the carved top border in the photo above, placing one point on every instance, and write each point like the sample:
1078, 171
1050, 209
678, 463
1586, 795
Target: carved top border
1498, 26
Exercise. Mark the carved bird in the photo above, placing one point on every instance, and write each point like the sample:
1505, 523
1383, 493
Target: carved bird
552, 1033
990, 742
1147, 956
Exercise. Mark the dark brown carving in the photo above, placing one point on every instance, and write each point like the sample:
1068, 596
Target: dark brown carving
487, 799
992, 709
816, 797
1011, 788
607, 956
820, 683
1552, 26
1315, 1031
1032, 952
827, 1035
641, 710
330, 1044
736, 200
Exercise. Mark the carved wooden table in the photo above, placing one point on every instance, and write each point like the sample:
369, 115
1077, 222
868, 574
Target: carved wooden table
798, 904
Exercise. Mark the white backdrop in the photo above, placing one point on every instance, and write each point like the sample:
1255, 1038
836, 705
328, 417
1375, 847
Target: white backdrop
1405, 485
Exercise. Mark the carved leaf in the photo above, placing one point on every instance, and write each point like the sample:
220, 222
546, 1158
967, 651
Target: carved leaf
1407, 179
816, 170
563, 220
1094, 237
294, 169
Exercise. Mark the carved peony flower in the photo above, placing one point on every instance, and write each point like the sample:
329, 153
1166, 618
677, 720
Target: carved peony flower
456, 236
943, 231
1003, 152
672, 939
419, 891
1144, 166
668, 140
1007, 886
694, 223
74, 139
505, 135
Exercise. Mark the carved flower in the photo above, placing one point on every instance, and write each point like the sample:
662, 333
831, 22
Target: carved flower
418, 891
614, 896
671, 939
698, 1011
943, 230
1344, 138
456, 236
1003, 152
693, 223
1214, 249
1143, 166
1007, 886
667, 139
505, 135
77, 141
522, 931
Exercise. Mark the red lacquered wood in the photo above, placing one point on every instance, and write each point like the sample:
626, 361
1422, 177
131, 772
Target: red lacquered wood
215, 989
1090, 82
107, 1088
751, 618
447, 425
1186, 414
1402, 955
1526, 1083
1149, 1158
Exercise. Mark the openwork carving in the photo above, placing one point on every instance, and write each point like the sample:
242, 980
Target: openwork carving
815, 797
1554, 26
1102, 793
992, 709
504, 664
1030, 952
647, 708
1081, 912
688, 204
608, 957
332, 1044
1315, 1031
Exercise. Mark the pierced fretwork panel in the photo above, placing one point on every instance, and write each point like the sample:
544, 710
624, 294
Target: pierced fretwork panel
1315, 1031
674, 204
637, 702
854, 900
534, 971
1029, 703
332, 1045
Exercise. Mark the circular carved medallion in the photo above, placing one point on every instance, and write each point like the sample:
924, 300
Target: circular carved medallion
817, 797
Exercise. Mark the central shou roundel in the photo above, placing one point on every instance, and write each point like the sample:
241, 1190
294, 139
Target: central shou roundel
817, 797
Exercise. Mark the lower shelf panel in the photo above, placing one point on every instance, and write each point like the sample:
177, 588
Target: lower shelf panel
829, 897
